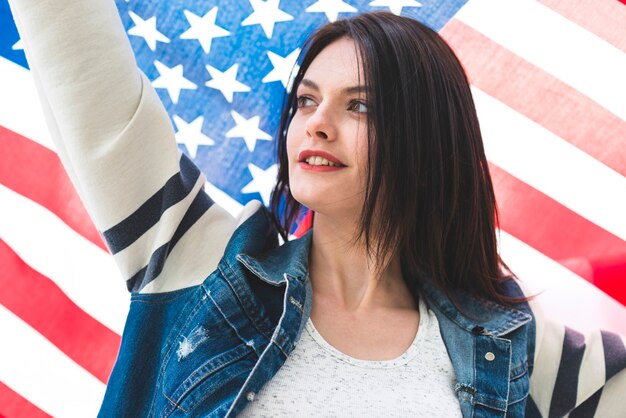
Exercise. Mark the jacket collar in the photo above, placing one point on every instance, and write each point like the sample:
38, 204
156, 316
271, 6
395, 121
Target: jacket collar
273, 264
479, 316
254, 246
291, 258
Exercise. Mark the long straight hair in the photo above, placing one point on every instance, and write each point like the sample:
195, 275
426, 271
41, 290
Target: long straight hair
429, 197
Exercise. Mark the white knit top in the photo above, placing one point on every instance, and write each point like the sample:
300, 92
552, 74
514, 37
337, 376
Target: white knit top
317, 380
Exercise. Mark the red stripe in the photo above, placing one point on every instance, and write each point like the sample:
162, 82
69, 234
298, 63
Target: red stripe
36, 173
305, 224
539, 96
39, 302
13, 405
578, 244
605, 18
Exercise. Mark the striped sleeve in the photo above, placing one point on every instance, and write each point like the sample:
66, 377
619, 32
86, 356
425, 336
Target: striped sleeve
575, 374
118, 146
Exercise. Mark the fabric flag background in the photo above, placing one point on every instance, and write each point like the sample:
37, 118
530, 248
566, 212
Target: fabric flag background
548, 81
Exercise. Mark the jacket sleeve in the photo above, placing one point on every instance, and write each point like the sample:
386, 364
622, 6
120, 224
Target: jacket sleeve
583, 375
117, 144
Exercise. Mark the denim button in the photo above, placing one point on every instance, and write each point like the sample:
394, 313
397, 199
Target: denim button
477, 330
250, 396
490, 356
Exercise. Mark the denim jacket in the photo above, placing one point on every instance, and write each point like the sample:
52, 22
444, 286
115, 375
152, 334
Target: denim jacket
207, 350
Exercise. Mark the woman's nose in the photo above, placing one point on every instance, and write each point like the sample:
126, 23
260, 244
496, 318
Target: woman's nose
320, 125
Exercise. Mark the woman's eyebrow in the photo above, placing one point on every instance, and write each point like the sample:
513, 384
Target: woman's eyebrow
348, 90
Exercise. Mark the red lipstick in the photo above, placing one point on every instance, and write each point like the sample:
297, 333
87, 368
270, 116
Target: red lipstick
319, 168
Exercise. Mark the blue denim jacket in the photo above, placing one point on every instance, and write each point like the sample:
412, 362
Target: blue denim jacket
206, 350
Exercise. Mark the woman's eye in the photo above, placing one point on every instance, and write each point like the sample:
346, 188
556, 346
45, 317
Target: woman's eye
304, 101
357, 106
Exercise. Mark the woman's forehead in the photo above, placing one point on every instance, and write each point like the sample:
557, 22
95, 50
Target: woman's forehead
337, 65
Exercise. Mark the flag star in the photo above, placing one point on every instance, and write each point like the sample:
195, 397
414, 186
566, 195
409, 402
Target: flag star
190, 134
263, 181
283, 67
172, 79
17, 45
248, 129
266, 14
203, 29
226, 81
395, 6
147, 30
331, 8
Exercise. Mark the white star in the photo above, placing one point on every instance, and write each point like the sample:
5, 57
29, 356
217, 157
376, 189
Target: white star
331, 8
17, 45
248, 129
226, 81
263, 181
172, 79
147, 30
190, 134
395, 6
266, 14
203, 28
285, 68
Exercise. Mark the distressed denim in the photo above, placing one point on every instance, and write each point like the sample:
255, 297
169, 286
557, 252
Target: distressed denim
205, 351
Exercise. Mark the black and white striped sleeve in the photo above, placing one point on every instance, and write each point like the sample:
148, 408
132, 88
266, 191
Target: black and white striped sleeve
575, 374
118, 146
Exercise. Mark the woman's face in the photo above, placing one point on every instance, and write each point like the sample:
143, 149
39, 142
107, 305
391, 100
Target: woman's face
327, 137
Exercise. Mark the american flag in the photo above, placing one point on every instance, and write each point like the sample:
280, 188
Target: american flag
548, 81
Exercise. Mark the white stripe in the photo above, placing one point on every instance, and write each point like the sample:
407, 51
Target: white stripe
556, 45
548, 351
20, 110
566, 297
83, 271
33, 367
592, 374
552, 165
611, 403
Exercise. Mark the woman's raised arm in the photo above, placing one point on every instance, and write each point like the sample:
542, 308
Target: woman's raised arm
116, 141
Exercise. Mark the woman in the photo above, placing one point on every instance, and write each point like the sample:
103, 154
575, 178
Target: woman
384, 308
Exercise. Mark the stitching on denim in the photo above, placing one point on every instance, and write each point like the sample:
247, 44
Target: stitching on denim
214, 370
235, 357
263, 353
497, 408
174, 403
519, 371
138, 298
222, 383
267, 333
170, 341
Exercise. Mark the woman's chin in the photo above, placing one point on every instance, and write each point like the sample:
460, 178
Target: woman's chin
329, 202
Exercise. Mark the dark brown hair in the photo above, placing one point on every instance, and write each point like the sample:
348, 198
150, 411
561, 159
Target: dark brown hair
429, 197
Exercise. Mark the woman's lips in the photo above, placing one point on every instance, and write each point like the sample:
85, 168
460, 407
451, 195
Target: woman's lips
319, 161
319, 168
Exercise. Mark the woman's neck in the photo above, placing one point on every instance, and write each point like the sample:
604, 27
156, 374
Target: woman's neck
342, 272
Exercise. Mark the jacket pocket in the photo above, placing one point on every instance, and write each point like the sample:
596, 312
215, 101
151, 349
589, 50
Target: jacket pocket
213, 384
519, 385
518, 391
205, 362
